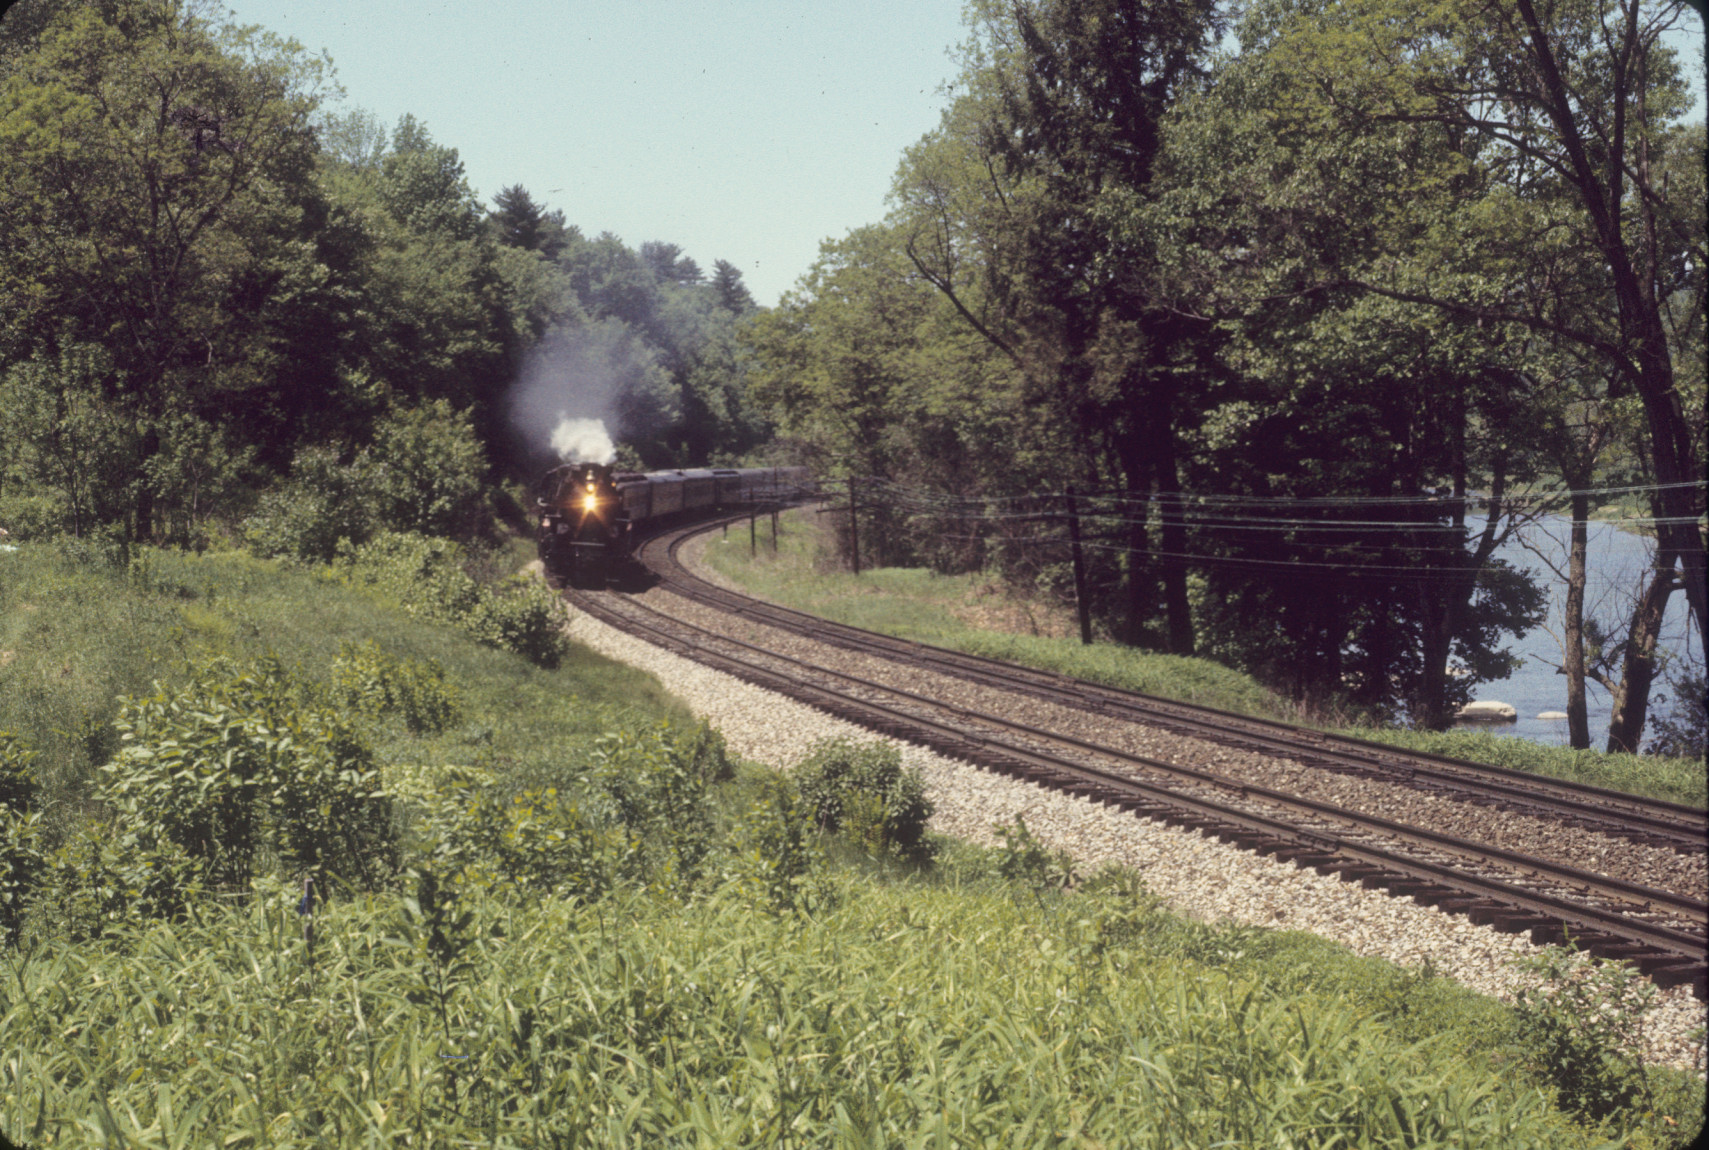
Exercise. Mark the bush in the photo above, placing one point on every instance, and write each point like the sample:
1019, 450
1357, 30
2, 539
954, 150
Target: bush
864, 790
426, 465
1682, 731
234, 765
775, 862
107, 877
367, 680
1579, 1026
648, 783
427, 577
325, 505
535, 841
18, 784
522, 615
1023, 859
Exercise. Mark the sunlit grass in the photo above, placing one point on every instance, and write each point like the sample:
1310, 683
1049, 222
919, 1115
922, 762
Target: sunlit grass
916, 1013
75, 636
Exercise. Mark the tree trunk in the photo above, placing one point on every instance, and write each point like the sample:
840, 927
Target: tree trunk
1176, 609
1136, 476
1638, 669
1572, 626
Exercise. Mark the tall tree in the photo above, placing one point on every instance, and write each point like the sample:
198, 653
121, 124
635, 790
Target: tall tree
157, 201
1033, 194
1575, 103
522, 223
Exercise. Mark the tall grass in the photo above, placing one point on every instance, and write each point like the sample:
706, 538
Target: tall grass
76, 634
660, 957
912, 1016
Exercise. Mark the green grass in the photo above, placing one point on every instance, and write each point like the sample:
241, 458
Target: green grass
916, 1006
913, 603
1672, 779
912, 1014
76, 635
916, 604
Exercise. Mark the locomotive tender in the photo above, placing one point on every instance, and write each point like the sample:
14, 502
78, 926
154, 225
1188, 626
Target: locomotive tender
589, 511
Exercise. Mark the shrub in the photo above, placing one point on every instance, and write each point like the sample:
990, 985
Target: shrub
325, 504
21, 865
427, 577
426, 465
647, 782
535, 841
775, 861
864, 788
522, 615
234, 764
1579, 1026
367, 680
106, 877
1682, 731
1022, 858
18, 784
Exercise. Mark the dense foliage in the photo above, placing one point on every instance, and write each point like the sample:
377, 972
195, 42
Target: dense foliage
1316, 321
221, 299
579, 921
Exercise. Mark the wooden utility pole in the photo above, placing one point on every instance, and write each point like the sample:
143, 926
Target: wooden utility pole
1080, 603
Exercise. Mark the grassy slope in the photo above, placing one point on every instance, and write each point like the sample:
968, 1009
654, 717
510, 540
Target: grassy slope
947, 999
919, 605
76, 636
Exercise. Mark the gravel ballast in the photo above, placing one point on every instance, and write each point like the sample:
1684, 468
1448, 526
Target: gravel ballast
1195, 875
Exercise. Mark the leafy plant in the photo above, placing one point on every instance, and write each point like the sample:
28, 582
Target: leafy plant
1022, 858
865, 789
107, 876
368, 680
775, 860
1582, 1024
427, 577
234, 765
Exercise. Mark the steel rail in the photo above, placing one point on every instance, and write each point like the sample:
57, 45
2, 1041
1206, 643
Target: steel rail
1695, 910
1668, 954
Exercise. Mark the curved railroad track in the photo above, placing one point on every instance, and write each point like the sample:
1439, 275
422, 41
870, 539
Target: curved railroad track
1663, 931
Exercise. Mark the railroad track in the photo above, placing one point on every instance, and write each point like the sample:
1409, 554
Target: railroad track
1662, 932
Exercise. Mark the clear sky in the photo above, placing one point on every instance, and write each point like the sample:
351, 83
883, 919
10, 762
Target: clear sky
742, 130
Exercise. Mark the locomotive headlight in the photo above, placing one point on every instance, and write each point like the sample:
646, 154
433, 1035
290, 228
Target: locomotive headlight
589, 502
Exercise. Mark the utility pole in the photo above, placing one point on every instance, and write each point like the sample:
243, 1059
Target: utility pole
1080, 603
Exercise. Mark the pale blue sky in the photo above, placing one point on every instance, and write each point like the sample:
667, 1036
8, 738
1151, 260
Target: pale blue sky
744, 130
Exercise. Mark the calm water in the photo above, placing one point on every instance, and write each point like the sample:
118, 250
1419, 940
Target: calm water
1617, 565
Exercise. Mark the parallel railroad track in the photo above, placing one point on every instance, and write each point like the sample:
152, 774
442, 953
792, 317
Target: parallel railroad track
1647, 821
1660, 931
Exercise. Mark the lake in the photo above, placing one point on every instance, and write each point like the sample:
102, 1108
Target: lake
1617, 564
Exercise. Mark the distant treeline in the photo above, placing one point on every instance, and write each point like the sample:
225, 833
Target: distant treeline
205, 273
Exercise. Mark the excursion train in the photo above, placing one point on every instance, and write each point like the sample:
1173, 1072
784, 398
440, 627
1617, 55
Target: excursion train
589, 512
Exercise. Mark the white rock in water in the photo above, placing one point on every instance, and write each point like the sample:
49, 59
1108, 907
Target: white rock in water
1487, 712
1553, 715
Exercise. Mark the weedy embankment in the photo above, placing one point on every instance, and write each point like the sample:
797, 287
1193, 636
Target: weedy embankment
545, 907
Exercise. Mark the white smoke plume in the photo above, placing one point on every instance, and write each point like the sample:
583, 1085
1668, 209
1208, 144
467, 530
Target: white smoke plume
582, 441
587, 375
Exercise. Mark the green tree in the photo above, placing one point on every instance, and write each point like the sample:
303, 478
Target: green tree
157, 201
1040, 180
521, 223
1574, 107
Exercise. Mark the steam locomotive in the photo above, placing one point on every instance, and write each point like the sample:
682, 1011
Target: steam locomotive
589, 512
